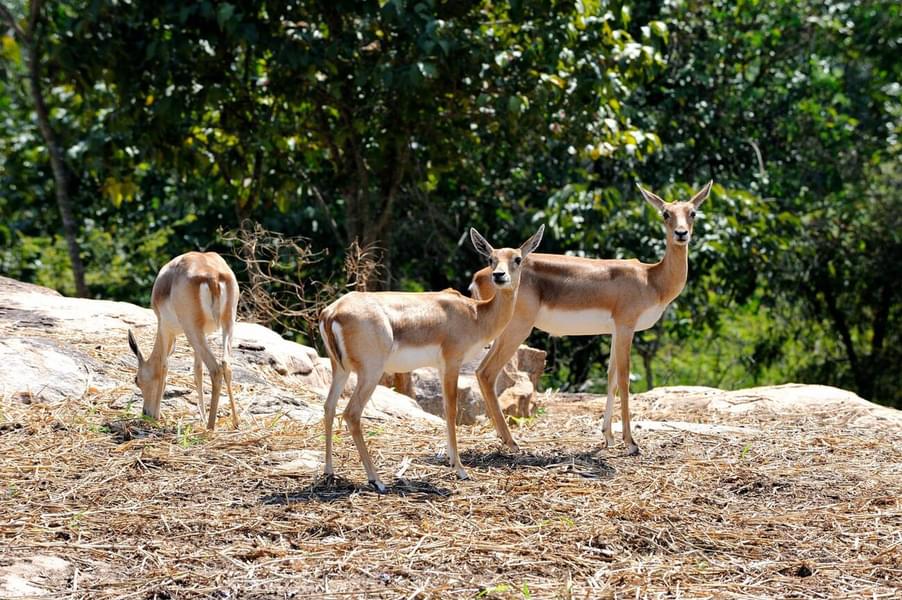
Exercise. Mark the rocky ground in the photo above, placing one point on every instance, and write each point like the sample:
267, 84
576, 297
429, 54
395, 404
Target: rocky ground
782, 491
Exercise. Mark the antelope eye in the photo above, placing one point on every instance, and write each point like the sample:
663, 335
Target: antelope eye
691, 214
665, 214
136, 380
518, 260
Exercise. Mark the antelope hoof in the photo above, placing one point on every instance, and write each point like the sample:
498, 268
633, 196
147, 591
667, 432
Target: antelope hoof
513, 447
379, 486
461, 474
609, 442
632, 449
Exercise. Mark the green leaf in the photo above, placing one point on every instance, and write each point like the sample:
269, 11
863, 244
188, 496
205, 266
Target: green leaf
224, 13
427, 69
659, 28
9, 49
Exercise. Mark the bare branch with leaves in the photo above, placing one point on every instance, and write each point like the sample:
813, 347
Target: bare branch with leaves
278, 290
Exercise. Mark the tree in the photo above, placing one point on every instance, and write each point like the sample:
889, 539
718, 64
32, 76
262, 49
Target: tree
849, 264
798, 104
30, 40
344, 116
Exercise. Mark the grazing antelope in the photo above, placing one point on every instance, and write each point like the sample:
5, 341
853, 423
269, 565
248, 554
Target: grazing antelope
371, 333
568, 295
195, 294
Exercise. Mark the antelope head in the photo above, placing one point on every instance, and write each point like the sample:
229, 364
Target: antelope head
149, 379
506, 262
679, 217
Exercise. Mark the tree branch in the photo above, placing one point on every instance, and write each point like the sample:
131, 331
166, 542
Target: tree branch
321, 202
397, 176
881, 317
11, 21
36, 6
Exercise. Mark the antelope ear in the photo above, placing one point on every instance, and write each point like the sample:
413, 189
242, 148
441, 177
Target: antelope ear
480, 243
532, 243
652, 198
133, 344
702, 195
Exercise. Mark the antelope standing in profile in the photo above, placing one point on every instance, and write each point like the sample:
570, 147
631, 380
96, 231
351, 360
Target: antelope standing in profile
195, 294
371, 333
568, 295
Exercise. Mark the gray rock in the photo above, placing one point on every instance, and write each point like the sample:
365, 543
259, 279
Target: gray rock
516, 387
39, 369
428, 390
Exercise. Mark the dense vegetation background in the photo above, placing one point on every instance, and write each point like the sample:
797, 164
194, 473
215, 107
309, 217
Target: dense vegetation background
132, 131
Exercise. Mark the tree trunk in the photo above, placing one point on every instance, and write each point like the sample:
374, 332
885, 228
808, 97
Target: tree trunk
64, 203
863, 383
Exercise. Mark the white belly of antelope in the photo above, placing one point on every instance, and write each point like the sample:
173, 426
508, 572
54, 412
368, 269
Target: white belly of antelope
404, 359
589, 321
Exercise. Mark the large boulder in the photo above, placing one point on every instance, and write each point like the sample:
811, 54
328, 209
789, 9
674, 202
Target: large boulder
519, 380
261, 346
767, 404
39, 369
54, 348
427, 390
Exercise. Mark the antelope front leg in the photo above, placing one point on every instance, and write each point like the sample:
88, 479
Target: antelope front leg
227, 377
199, 385
449, 392
487, 374
622, 344
612, 388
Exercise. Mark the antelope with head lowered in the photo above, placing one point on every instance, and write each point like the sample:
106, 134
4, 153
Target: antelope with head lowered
371, 333
568, 295
195, 294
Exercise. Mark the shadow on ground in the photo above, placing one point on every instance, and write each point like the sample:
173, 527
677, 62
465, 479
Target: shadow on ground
586, 464
330, 489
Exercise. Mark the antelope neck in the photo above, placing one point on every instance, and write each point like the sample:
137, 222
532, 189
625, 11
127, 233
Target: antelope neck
498, 310
669, 275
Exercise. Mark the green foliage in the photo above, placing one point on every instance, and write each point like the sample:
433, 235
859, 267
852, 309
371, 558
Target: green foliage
400, 124
848, 267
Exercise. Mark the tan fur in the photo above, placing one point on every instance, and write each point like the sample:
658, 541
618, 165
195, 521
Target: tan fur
371, 333
554, 286
177, 301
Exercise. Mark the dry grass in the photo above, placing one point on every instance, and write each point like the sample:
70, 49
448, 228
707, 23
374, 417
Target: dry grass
800, 508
